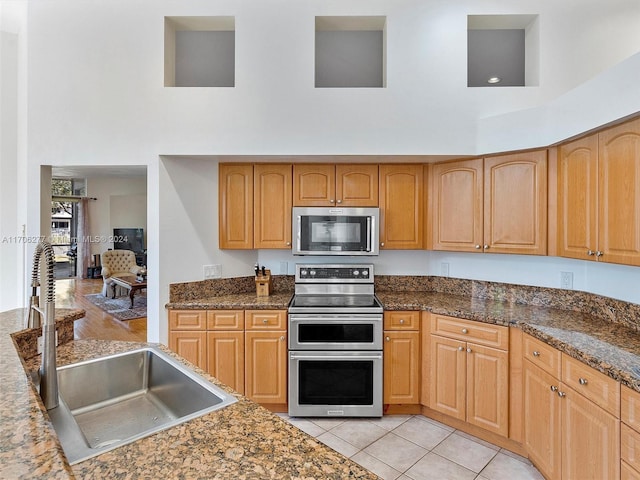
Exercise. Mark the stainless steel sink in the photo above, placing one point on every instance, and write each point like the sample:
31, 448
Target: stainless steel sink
111, 401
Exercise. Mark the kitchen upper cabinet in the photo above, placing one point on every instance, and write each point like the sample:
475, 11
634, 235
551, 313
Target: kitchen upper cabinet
401, 357
401, 207
325, 185
619, 194
272, 185
495, 205
457, 214
235, 197
469, 376
515, 203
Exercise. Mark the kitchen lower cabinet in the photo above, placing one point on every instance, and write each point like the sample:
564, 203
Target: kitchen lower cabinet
567, 434
188, 336
468, 379
225, 347
630, 434
401, 356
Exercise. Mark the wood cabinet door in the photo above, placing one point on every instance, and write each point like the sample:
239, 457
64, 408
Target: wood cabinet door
578, 198
591, 439
456, 206
515, 203
542, 421
401, 207
225, 358
266, 366
235, 200
272, 205
447, 375
357, 185
619, 194
401, 367
314, 185
191, 346
488, 388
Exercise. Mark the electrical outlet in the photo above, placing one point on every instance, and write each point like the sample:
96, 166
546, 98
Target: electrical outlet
284, 268
212, 271
566, 280
444, 269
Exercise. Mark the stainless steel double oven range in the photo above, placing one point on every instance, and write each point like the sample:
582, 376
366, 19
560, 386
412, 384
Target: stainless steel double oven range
335, 342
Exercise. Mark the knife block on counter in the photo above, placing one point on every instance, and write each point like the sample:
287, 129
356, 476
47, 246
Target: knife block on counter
263, 284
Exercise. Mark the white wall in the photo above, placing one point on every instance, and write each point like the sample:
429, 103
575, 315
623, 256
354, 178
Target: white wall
121, 202
96, 96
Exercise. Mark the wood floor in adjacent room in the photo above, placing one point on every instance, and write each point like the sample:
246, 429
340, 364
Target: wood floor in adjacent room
96, 323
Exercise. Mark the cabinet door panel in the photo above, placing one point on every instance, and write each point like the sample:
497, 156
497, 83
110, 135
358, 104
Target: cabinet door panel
225, 358
591, 439
402, 367
577, 198
542, 421
447, 393
235, 197
488, 388
314, 185
357, 185
401, 206
266, 366
619, 194
457, 214
515, 203
190, 345
272, 205
187, 319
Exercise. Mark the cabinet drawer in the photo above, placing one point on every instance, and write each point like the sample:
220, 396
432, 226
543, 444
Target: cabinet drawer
544, 356
225, 320
187, 319
597, 387
469, 331
630, 407
265, 319
630, 446
401, 320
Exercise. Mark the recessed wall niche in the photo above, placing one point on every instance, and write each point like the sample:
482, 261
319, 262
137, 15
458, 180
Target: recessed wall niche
350, 52
502, 50
199, 51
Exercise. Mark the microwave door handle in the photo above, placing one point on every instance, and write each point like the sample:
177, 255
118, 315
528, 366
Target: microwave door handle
368, 234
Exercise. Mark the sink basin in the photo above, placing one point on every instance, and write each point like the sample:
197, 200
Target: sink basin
111, 401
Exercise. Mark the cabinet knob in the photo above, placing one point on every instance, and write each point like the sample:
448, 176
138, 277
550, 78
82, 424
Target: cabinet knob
536, 353
388, 339
288, 244
464, 330
382, 244
282, 338
486, 247
554, 388
477, 247
339, 201
468, 350
332, 201
599, 253
562, 394
401, 321
591, 253
265, 321
460, 349
583, 381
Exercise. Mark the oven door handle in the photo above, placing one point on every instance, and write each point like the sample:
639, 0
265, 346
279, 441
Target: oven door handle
373, 356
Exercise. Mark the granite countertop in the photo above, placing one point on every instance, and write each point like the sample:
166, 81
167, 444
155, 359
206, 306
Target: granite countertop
237, 301
243, 440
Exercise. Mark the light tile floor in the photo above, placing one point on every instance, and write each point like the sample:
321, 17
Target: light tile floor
413, 447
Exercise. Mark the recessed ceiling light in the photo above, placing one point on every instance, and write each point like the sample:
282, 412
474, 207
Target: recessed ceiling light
494, 80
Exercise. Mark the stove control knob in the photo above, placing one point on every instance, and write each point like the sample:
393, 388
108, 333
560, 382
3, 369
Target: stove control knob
365, 273
356, 273
303, 272
312, 273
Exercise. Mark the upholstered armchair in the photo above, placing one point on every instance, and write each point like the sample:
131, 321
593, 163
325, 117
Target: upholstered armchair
117, 263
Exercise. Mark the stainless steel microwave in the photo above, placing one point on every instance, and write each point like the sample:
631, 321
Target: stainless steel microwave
335, 230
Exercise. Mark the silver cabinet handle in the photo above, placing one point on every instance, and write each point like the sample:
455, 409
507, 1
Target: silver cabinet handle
265, 321
388, 339
460, 349
339, 201
599, 253
401, 321
282, 338
468, 350
583, 381
382, 244
591, 253
464, 330
536, 353
332, 201
288, 244
554, 388
486, 247
477, 247
562, 394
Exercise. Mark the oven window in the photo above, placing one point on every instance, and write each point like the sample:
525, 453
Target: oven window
334, 382
339, 333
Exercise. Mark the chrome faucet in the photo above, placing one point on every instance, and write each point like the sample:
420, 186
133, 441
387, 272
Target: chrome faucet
48, 372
